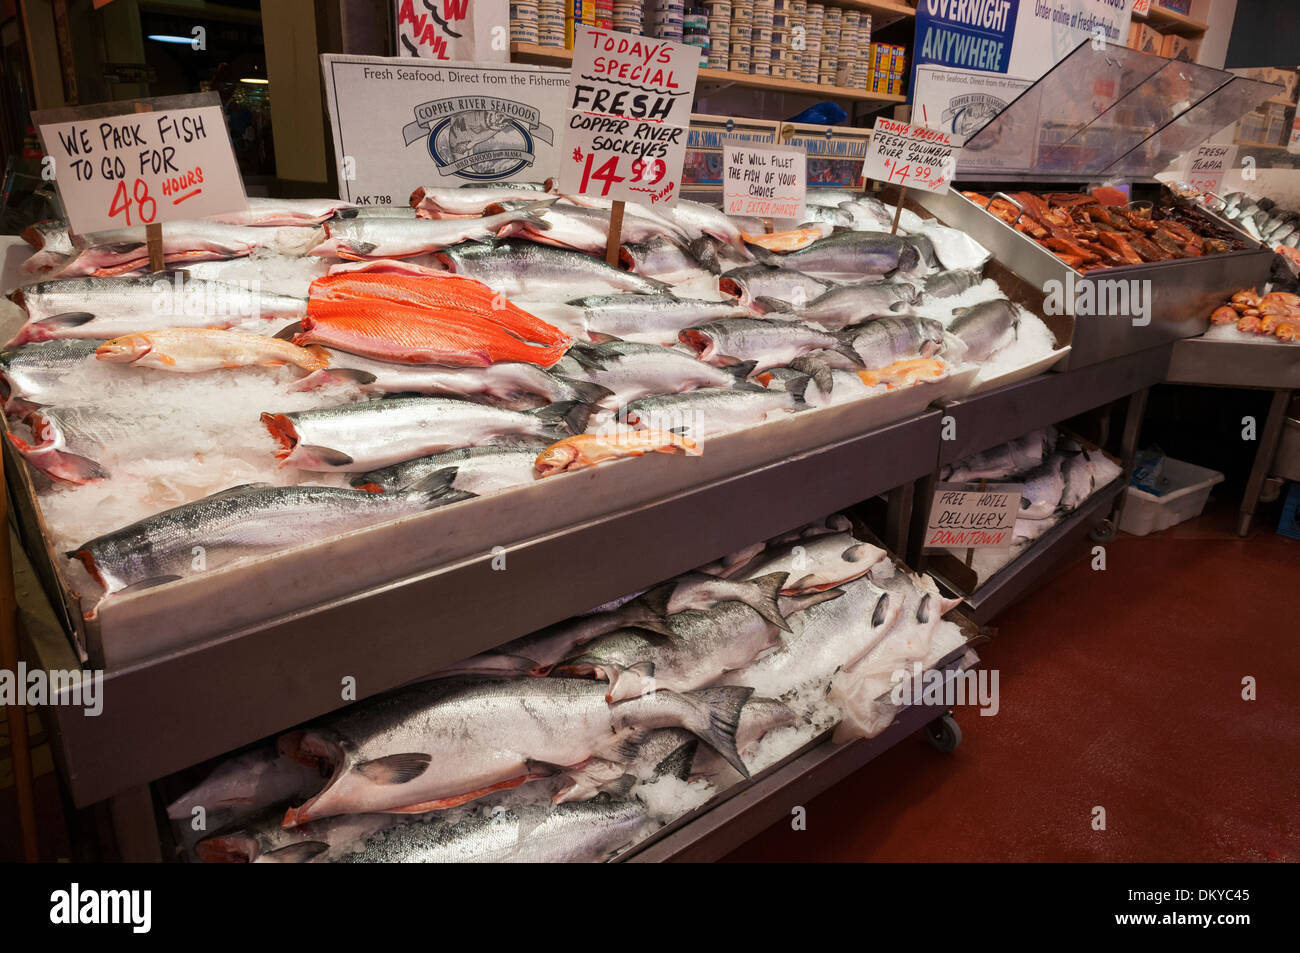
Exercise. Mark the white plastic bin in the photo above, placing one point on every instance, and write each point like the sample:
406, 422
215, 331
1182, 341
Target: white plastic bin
1189, 489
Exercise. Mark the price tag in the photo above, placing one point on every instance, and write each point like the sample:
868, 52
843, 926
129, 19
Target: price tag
1209, 163
628, 113
767, 182
912, 156
118, 165
969, 517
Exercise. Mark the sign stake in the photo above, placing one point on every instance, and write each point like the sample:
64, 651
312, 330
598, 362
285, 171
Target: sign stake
898, 212
615, 233
152, 231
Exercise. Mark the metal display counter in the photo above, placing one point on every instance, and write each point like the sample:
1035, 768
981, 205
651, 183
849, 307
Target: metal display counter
1245, 364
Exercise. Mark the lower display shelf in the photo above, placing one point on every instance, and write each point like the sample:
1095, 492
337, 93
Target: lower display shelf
1259, 364
1026, 571
746, 809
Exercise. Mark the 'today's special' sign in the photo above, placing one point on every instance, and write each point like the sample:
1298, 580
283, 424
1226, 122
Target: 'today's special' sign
765, 181
973, 518
911, 156
628, 114
142, 162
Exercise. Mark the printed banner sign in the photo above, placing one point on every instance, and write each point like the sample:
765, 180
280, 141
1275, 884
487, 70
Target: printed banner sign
469, 30
911, 156
118, 166
968, 517
399, 124
767, 182
629, 110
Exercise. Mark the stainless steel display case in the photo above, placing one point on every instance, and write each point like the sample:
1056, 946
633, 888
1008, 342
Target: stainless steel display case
1108, 115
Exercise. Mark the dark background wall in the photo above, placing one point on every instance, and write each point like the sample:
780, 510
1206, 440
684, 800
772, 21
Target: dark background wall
1265, 33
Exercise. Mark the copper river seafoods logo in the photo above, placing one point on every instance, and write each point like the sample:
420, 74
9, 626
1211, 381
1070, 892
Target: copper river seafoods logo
967, 115
478, 137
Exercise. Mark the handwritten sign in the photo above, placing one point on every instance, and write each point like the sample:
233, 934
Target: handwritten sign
475, 31
1209, 162
769, 182
912, 156
117, 167
629, 110
965, 517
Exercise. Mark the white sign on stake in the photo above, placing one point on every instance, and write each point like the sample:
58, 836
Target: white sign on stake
966, 517
764, 181
629, 110
1209, 163
400, 123
142, 162
913, 157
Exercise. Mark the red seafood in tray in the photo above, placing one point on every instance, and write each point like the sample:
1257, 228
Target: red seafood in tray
1088, 231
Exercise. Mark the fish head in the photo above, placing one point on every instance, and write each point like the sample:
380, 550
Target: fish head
126, 349
355, 786
237, 847
700, 340
557, 458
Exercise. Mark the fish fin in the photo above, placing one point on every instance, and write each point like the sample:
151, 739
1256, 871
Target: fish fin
719, 710
809, 599
437, 804
395, 768
586, 356
144, 584
742, 370
436, 489
295, 853
797, 387
599, 337
586, 391
657, 598
767, 304
703, 250
68, 319
769, 588
859, 551
817, 369
923, 609
764, 255
845, 347
332, 375
325, 455
881, 611
287, 333
803, 582
564, 418
627, 749
678, 762
543, 769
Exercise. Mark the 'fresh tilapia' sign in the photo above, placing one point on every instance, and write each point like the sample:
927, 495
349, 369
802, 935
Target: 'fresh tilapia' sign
967, 517
142, 162
629, 111
477, 30
399, 124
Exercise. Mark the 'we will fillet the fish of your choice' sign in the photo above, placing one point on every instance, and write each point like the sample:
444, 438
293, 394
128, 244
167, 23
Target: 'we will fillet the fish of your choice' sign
142, 162
973, 518
629, 110
765, 181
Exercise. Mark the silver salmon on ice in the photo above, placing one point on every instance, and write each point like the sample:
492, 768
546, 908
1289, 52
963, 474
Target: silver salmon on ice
985, 327
106, 308
587, 832
77, 443
839, 307
819, 563
472, 200
761, 341
541, 272
710, 411
125, 249
772, 282
376, 433
267, 212
241, 521
43, 373
261, 840
848, 256
629, 371
479, 470
438, 744
649, 318
402, 238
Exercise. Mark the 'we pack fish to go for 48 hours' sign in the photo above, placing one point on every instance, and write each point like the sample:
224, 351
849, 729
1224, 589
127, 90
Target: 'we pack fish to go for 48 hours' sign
911, 156
629, 110
142, 162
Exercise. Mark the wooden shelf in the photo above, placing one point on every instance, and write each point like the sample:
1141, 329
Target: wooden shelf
883, 12
554, 56
1167, 21
1257, 145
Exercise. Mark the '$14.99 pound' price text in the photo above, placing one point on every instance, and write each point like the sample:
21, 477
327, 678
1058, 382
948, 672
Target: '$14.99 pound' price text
642, 172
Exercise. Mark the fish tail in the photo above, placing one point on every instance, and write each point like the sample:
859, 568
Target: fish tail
318, 359
846, 348
817, 369
585, 391
717, 719
564, 418
761, 254
436, 489
769, 591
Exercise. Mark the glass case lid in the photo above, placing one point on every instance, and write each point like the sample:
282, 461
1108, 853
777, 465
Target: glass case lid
1110, 110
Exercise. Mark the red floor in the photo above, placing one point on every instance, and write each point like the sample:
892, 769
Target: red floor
1120, 689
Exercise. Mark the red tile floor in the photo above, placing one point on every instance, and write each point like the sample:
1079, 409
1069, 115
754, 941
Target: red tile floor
1120, 689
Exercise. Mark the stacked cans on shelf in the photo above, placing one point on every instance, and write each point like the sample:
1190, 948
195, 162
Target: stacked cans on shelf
760, 43
550, 22
888, 64
830, 58
719, 14
627, 16
664, 19
523, 22
741, 32
695, 31
810, 58
855, 35
602, 14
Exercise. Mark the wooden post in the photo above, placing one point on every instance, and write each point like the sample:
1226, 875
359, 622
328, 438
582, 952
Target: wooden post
898, 212
615, 233
153, 231
16, 714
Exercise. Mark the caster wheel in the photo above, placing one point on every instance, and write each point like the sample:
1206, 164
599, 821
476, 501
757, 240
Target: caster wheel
943, 733
1104, 533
